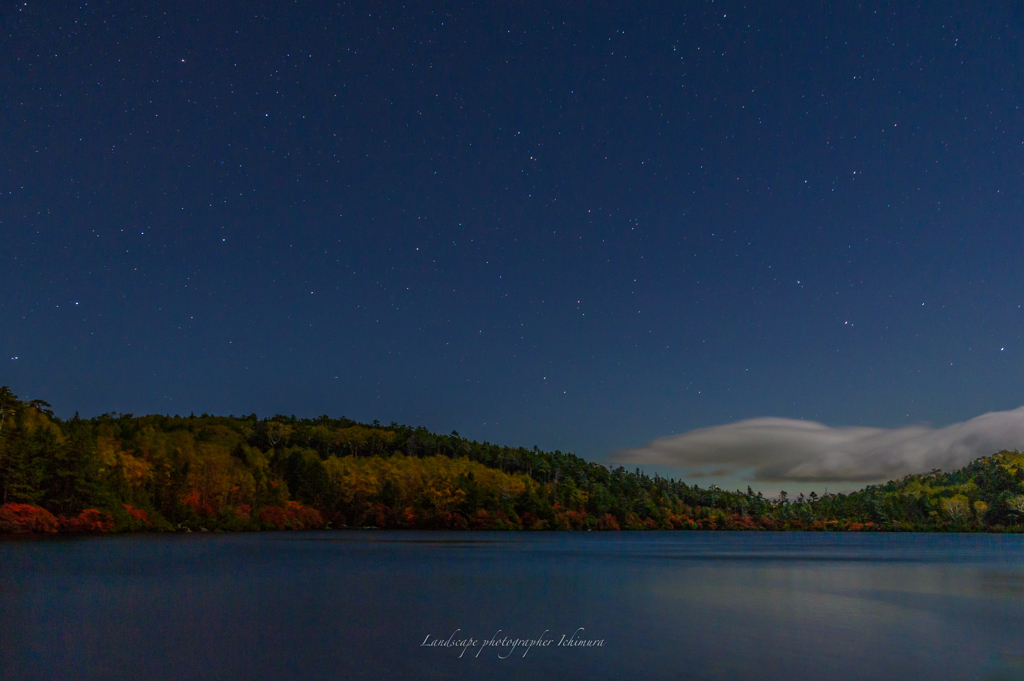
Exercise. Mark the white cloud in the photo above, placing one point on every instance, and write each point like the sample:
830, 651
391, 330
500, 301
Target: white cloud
784, 450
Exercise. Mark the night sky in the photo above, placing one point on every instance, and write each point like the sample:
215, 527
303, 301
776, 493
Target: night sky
572, 225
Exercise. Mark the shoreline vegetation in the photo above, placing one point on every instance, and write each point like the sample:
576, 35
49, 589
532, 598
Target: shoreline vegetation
122, 473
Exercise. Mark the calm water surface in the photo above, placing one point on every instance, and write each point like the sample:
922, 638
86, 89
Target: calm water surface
359, 605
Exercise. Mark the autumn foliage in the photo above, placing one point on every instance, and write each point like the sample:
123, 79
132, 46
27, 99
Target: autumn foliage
118, 472
293, 516
139, 517
89, 520
193, 502
23, 518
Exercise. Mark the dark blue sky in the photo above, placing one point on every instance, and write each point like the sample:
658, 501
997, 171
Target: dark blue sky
580, 226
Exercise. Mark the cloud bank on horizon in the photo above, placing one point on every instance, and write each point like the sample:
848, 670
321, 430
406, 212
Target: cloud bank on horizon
790, 450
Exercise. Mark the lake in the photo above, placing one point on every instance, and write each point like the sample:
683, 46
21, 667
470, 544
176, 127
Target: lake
382, 605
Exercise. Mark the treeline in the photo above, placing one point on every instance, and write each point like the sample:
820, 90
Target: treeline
118, 472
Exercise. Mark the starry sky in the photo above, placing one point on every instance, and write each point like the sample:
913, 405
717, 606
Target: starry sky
577, 226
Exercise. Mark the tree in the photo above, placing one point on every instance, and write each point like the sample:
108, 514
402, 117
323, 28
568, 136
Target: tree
8, 402
957, 508
72, 477
27, 439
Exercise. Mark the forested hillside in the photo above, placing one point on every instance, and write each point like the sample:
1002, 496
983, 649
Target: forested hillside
119, 472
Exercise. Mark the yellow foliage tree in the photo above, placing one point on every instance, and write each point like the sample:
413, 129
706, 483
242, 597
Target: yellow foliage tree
957, 508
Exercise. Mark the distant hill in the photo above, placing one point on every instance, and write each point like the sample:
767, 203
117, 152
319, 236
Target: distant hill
119, 472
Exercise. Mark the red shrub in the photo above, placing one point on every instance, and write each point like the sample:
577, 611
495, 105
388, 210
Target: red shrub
860, 527
577, 519
138, 515
294, 516
449, 521
274, 515
560, 522
706, 524
383, 515
194, 502
740, 522
309, 518
482, 520
89, 520
501, 520
20, 518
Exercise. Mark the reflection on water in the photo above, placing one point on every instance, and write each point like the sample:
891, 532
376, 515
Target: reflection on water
361, 604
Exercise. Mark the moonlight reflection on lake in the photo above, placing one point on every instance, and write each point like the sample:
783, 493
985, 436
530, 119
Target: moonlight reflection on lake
351, 605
